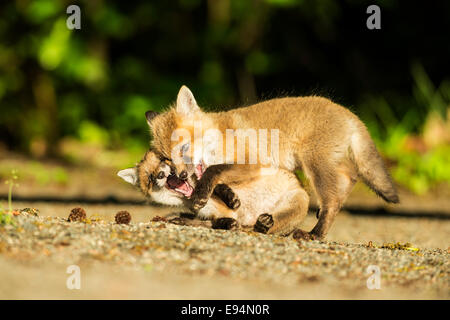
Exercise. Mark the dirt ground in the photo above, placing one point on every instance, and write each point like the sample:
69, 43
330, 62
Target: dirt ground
39, 271
148, 260
352, 228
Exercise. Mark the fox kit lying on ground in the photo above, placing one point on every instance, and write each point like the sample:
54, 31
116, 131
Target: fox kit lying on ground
325, 140
247, 202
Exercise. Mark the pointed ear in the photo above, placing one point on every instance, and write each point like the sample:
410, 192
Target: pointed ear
129, 175
186, 104
150, 115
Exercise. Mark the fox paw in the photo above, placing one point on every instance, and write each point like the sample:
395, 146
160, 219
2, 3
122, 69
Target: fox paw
263, 223
197, 204
225, 224
231, 200
200, 197
299, 234
234, 203
177, 220
187, 215
227, 195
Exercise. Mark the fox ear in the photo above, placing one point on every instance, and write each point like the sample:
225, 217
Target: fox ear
129, 175
150, 115
186, 104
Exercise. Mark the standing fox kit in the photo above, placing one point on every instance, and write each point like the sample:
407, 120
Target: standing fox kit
323, 139
232, 203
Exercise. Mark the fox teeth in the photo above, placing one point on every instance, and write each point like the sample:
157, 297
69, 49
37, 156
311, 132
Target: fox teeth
181, 191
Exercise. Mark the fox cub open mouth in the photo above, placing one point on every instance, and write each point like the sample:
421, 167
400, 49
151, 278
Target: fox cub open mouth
178, 185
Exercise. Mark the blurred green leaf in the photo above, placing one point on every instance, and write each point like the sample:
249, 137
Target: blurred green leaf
55, 46
90, 132
40, 10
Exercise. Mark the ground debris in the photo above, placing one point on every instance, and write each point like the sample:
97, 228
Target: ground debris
399, 246
123, 217
77, 214
238, 255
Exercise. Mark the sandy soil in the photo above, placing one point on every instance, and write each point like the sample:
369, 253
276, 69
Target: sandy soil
334, 269
33, 262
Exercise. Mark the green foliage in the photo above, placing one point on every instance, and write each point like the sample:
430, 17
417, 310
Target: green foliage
421, 172
432, 99
94, 85
92, 133
418, 170
35, 172
11, 182
6, 218
40, 10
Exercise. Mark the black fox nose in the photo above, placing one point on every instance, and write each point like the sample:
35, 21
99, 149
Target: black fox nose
183, 175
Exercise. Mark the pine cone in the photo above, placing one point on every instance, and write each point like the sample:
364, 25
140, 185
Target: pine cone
123, 217
77, 214
31, 211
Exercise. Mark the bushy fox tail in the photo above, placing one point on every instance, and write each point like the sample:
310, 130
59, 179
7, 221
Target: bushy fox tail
370, 167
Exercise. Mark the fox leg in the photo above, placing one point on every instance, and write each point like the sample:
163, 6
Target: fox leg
184, 220
333, 184
225, 223
227, 195
287, 217
206, 185
213, 176
219, 214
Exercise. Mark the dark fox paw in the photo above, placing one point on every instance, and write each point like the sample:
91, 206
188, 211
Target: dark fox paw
232, 200
187, 215
227, 195
200, 197
299, 234
263, 223
197, 204
225, 224
234, 203
177, 220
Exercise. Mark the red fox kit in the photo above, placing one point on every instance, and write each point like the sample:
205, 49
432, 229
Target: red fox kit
279, 193
325, 140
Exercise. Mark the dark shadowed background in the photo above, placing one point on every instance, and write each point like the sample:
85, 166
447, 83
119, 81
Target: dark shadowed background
79, 96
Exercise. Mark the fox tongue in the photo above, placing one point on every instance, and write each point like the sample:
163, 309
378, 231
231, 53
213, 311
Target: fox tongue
199, 170
185, 189
173, 182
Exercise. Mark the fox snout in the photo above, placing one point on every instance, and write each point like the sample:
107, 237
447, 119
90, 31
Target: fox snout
183, 170
183, 175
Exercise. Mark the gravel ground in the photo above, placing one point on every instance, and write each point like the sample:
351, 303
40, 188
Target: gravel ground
159, 260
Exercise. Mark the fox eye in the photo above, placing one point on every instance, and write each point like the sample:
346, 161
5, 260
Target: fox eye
161, 175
